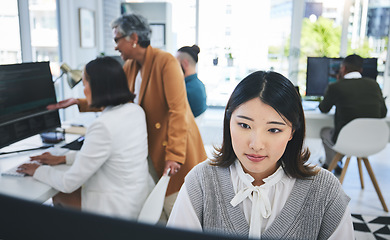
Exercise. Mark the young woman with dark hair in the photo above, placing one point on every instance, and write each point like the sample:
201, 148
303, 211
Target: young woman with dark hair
259, 184
109, 175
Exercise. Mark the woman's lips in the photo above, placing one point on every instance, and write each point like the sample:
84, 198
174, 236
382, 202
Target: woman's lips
255, 158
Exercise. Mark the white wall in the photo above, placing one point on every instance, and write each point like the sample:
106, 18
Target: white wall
71, 51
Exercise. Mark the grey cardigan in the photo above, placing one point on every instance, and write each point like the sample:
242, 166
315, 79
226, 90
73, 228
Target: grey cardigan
312, 211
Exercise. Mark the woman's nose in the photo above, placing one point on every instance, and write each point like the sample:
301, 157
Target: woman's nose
257, 142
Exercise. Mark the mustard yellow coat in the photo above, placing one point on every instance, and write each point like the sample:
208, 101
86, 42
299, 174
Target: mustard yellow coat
172, 130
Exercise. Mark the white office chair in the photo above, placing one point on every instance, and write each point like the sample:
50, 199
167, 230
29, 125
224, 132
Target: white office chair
153, 206
361, 138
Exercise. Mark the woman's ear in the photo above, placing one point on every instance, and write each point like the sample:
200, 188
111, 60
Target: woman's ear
292, 134
134, 37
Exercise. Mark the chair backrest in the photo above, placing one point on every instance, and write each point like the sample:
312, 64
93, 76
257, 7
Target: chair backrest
152, 208
363, 137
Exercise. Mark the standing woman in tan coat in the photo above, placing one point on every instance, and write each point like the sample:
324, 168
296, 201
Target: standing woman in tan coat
157, 80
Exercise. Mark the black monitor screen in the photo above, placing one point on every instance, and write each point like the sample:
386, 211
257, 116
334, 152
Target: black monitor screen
321, 71
25, 91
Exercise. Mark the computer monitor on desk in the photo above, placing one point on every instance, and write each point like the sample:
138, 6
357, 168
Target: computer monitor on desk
322, 70
22, 219
25, 91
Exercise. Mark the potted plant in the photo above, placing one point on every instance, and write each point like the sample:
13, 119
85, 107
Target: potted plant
229, 57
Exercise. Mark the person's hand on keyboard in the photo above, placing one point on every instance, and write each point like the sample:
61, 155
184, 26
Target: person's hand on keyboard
49, 159
28, 168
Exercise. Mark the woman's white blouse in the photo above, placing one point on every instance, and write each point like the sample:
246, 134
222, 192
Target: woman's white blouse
268, 199
111, 166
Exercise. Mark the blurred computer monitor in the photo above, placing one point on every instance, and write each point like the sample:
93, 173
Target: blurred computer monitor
22, 219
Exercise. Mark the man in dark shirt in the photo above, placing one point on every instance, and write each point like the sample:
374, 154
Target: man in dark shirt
354, 97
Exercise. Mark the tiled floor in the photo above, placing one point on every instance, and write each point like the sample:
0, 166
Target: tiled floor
363, 201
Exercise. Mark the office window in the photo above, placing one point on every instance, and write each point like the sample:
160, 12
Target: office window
238, 38
44, 33
374, 32
368, 26
235, 39
43, 30
10, 51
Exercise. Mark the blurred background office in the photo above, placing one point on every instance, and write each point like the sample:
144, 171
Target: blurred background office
236, 37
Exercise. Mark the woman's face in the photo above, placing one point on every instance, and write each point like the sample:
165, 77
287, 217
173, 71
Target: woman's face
123, 46
87, 89
259, 138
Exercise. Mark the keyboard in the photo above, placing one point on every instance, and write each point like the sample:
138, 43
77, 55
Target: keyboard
13, 173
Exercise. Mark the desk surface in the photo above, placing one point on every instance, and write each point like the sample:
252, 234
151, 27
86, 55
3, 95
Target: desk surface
315, 120
27, 187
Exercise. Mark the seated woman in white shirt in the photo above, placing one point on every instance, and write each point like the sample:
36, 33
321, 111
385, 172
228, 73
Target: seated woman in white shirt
259, 184
109, 175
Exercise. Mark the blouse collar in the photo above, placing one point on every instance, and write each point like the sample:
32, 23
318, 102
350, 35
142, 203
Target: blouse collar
261, 205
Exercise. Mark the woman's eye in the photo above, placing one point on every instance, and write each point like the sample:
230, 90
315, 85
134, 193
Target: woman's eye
244, 125
274, 130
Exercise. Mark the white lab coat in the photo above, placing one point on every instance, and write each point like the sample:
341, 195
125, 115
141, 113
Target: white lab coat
111, 166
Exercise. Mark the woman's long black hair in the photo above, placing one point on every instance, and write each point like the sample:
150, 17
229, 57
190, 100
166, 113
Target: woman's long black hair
278, 92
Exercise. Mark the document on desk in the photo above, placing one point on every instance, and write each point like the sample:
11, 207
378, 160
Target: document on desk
76, 130
310, 105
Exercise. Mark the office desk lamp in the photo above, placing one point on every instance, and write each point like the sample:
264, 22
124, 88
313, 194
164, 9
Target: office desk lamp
74, 76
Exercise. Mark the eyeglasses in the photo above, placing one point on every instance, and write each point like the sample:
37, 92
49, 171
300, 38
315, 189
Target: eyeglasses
116, 40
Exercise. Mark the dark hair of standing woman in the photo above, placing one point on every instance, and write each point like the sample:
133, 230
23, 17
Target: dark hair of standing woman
108, 82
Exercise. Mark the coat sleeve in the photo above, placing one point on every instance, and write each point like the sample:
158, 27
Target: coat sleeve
176, 97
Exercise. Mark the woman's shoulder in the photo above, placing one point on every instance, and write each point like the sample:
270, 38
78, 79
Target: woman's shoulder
325, 175
126, 108
206, 172
128, 112
202, 167
161, 55
325, 182
133, 107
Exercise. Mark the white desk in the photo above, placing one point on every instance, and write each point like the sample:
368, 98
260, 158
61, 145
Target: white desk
315, 121
27, 187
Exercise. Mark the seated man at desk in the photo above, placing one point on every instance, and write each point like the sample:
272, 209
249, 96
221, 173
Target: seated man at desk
109, 175
354, 97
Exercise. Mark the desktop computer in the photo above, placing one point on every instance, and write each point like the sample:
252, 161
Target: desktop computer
21, 219
25, 91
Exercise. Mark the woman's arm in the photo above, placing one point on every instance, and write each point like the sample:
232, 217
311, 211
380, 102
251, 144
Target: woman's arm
345, 228
96, 150
183, 214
